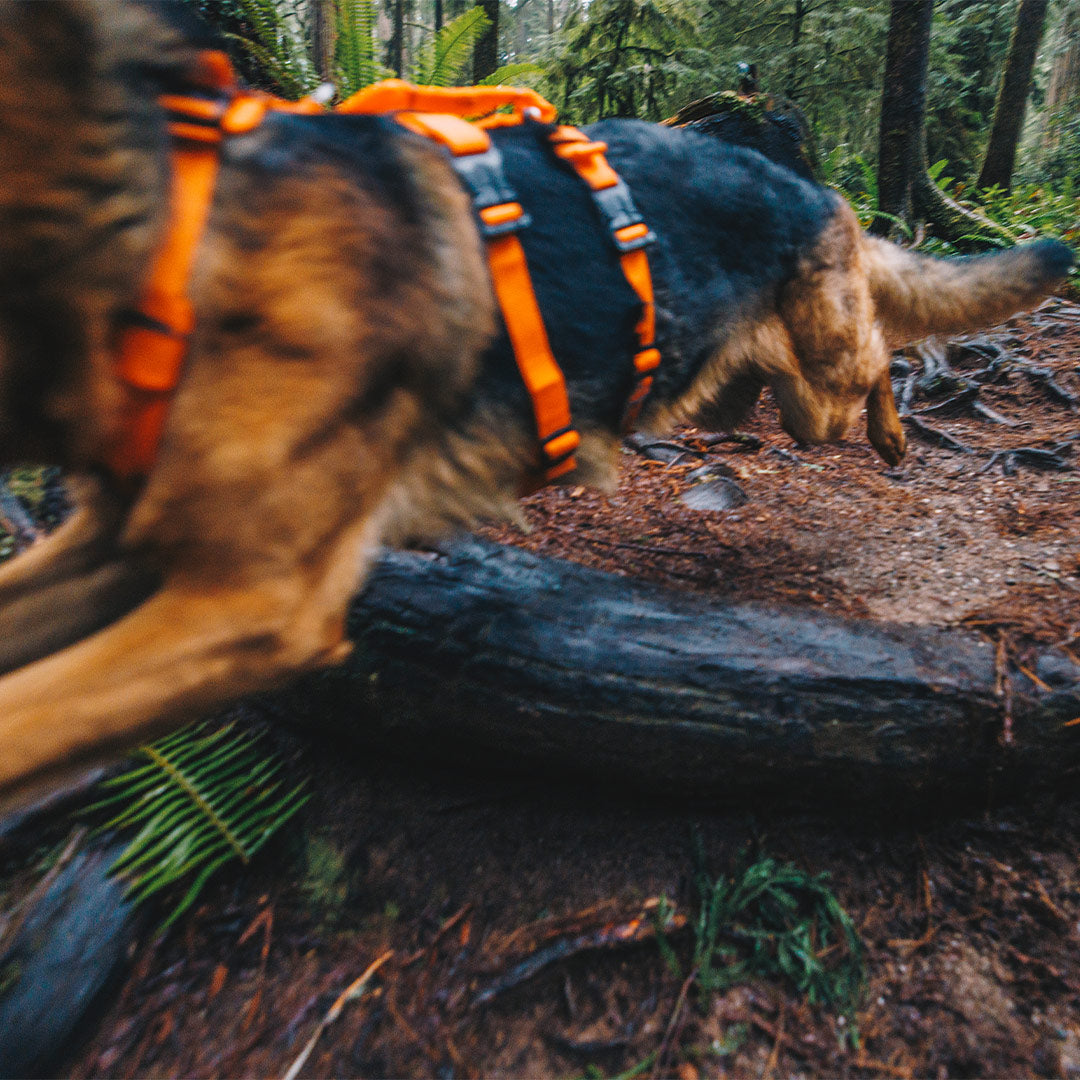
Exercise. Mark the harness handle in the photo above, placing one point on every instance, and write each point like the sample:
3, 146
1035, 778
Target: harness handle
396, 95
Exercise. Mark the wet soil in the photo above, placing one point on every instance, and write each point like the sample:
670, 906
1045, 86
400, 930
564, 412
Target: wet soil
504, 921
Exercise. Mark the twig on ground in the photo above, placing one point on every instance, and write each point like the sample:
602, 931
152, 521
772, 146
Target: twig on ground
1003, 688
669, 1031
632, 931
350, 993
646, 548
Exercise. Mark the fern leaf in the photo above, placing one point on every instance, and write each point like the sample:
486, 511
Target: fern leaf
443, 61
511, 74
201, 798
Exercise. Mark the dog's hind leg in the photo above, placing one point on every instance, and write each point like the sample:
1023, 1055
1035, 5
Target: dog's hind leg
80, 543
69, 585
189, 648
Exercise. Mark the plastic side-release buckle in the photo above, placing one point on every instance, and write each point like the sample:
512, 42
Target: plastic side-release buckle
495, 202
628, 228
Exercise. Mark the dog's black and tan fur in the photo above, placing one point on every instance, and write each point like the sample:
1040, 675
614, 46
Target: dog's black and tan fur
348, 380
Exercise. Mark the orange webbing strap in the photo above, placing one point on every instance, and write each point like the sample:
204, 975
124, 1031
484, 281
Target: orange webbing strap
153, 341
631, 236
396, 95
500, 217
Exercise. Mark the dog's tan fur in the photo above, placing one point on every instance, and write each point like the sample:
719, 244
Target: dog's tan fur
336, 342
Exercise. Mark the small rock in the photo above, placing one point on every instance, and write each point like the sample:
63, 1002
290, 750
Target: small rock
714, 495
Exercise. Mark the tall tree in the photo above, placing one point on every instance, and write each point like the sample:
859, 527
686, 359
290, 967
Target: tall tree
1064, 89
486, 56
395, 49
903, 109
997, 168
323, 37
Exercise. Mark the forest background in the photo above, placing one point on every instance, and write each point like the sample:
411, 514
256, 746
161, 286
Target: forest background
994, 72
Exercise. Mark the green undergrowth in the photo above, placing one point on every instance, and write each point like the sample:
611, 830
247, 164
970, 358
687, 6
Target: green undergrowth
1027, 211
774, 921
192, 802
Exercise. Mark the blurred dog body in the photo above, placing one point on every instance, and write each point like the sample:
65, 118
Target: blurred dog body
349, 380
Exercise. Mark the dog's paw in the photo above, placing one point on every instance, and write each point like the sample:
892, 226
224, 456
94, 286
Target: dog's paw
888, 440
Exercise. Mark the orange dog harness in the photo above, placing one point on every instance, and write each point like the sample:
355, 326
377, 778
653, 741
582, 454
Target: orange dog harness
153, 340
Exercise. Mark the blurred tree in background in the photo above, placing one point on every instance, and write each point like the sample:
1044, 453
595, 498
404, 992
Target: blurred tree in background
648, 58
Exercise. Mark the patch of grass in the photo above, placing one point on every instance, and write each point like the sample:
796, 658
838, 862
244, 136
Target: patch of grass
773, 920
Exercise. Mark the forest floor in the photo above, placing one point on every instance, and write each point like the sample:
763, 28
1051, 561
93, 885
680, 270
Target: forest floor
504, 922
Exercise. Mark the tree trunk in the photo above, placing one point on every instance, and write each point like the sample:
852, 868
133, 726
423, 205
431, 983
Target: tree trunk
966, 229
491, 654
322, 38
395, 50
797, 17
438, 15
486, 54
903, 108
1064, 89
1013, 93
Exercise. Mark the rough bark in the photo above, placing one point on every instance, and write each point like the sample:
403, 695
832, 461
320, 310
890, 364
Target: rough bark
997, 168
60, 960
486, 53
489, 654
903, 108
395, 49
323, 26
1064, 89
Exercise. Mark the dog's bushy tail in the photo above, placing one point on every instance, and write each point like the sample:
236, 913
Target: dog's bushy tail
917, 295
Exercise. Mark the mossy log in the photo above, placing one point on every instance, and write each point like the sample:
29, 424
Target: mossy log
484, 653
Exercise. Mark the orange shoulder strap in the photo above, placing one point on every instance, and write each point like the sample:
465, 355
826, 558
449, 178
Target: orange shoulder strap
631, 236
500, 217
152, 341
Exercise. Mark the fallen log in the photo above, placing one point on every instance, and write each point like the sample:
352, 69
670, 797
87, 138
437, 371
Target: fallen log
485, 653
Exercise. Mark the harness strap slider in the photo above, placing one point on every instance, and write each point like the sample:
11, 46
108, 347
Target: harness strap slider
245, 113
647, 360
494, 201
501, 219
559, 445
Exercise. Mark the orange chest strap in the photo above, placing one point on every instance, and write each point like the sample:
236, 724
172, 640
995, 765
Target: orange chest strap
631, 236
152, 341
438, 114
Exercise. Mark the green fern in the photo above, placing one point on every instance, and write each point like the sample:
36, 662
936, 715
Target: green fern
356, 64
202, 798
279, 45
511, 74
444, 57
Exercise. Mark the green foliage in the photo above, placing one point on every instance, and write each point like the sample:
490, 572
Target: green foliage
626, 58
356, 63
201, 798
276, 40
278, 43
824, 56
774, 920
968, 44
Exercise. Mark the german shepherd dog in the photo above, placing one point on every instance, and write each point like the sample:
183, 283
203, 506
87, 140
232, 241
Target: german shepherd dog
349, 381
